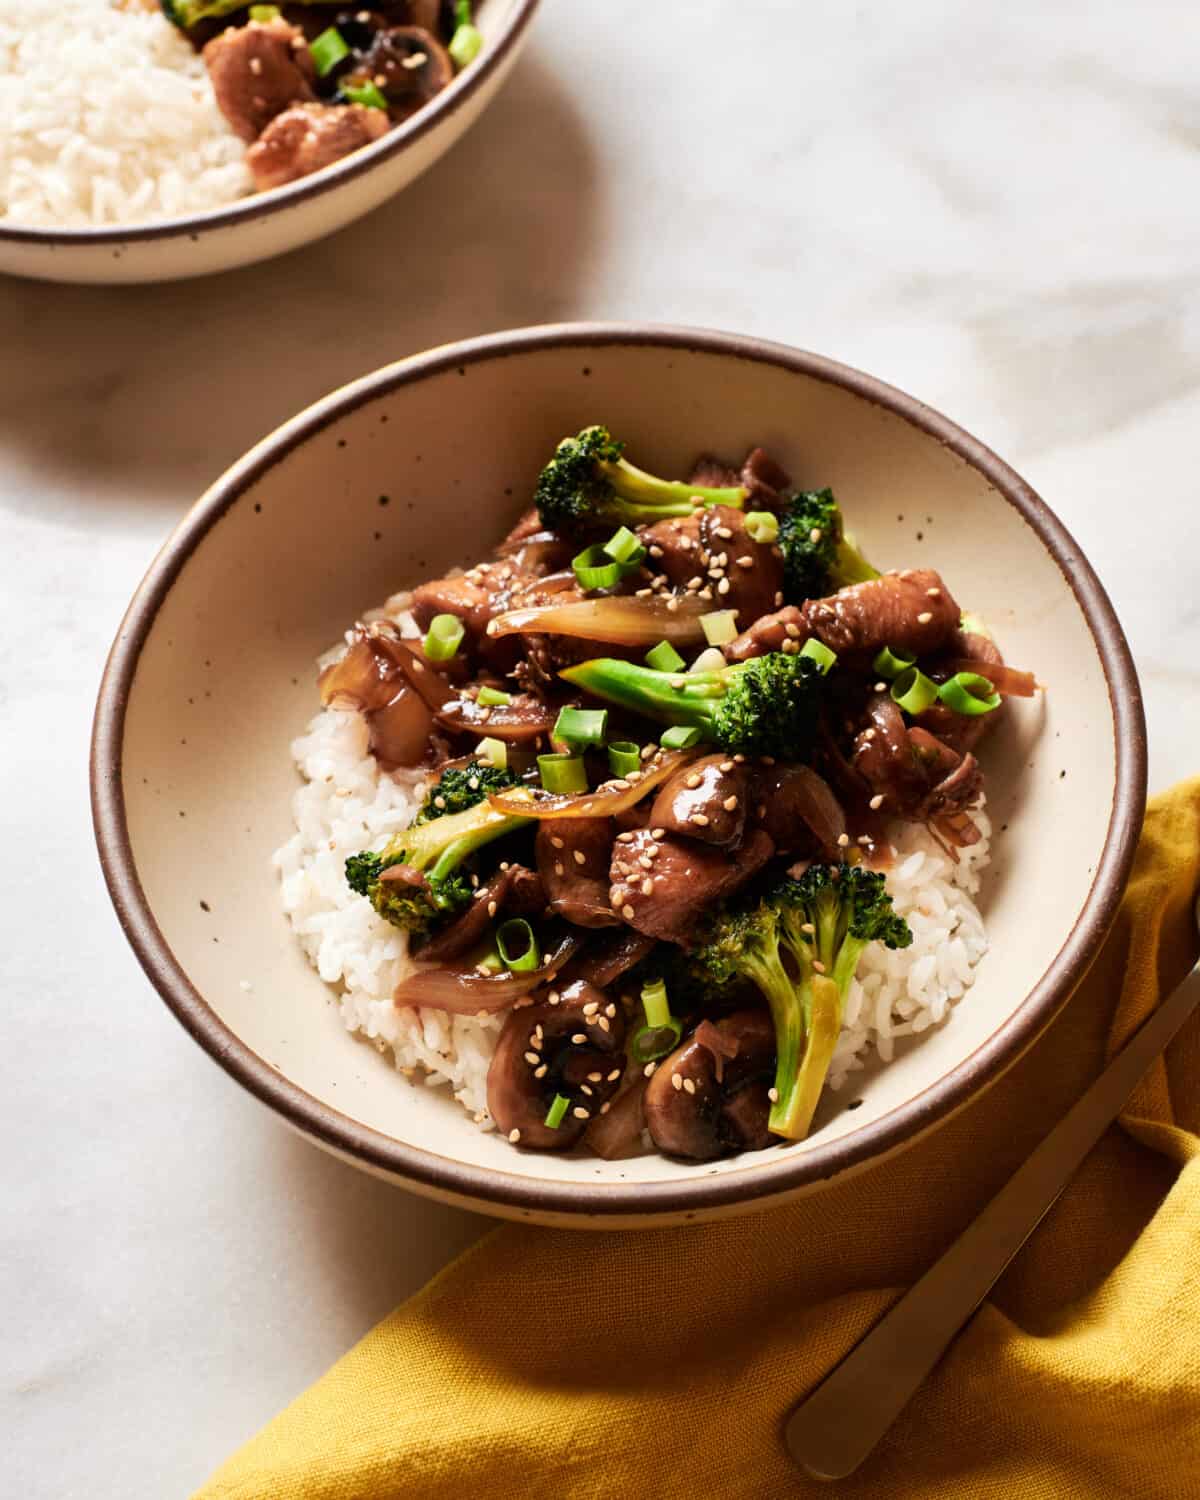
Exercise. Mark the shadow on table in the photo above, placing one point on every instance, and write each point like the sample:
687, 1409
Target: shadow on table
147, 393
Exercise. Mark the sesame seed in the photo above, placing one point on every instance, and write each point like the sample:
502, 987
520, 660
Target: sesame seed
656, 550
627, 912
610, 1010
605, 1107
647, 886
792, 630
773, 1095
649, 1070
532, 1059
656, 833
725, 767
595, 1077
723, 586
585, 1088
729, 804
541, 1072
579, 859
439, 802
807, 927
414, 60
790, 648
739, 759
843, 840
818, 965
876, 802
700, 820
814, 535
778, 600
645, 861
745, 562
678, 682
924, 617
579, 1038
881, 687
256, 66
642, 593
723, 532
693, 583
556, 841
591, 1007
647, 751
864, 838
558, 867
933, 593
690, 1085
553, 997
672, 605
693, 780
614, 1075
676, 1081
492, 908
634, 777
704, 594
514, 1136
624, 838
868, 734
579, 1112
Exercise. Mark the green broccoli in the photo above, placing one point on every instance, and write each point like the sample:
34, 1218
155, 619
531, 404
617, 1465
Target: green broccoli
436, 848
188, 13
461, 787
821, 923
765, 706
587, 486
817, 558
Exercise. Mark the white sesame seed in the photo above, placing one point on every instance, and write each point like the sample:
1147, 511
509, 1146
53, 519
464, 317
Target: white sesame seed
818, 965
492, 908
881, 687
676, 1081
705, 594
579, 1038
579, 1112
672, 605
610, 1010
585, 1088
924, 617
792, 630
790, 648
778, 600
745, 562
649, 1070
843, 840
514, 1136
614, 1075
627, 912
723, 532
558, 867
876, 802
868, 734
726, 766
624, 838
723, 586
591, 1007
693, 780
773, 1095
645, 861
647, 886
541, 1072
605, 1107
579, 857
864, 838
656, 833
933, 593
414, 60
700, 820
815, 534
690, 1085
532, 1059
729, 804
656, 550
556, 841
595, 1077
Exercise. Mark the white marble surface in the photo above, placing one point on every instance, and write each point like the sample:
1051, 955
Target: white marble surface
997, 208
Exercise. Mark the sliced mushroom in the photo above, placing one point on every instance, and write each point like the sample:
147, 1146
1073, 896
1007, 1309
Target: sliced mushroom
408, 65
569, 1043
690, 1114
573, 858
704, 800
400, 730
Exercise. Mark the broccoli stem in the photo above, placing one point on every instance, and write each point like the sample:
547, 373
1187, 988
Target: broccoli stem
446, 842
654, 494
650, 692
851, 566
453, 855
800, 1088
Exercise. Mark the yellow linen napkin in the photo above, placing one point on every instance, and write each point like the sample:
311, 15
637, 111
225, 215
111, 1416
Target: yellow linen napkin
661, 1364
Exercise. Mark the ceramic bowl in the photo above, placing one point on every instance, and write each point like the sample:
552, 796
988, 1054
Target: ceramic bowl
267, 224
424, 464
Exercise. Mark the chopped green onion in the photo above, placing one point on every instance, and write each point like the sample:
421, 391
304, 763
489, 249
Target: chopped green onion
655, 1002
465, 45
264, 13
819, 652
595, 569
652, 1042
492, 697
554, 1115
913, 691
327, 50
622, 545
366, 94
679, 737
462, 12
517, 946
969, 693
720, 627
665, 658
444, 637
494, 752
889, 663
623, 757
762, 526
971, 624
580, 726
709, 660
562, 773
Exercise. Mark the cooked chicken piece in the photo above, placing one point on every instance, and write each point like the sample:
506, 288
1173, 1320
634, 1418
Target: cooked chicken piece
307, 137
674, 549
751, 573
573, 858
257, 70
706, 800
663, 886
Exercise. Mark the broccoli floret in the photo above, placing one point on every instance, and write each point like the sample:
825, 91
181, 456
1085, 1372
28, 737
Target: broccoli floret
588, 485
821, 922
436, 849
187, 13
817, 558
765, 706
462, 787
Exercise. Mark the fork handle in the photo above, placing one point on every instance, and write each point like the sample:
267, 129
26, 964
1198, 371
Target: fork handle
834, 1428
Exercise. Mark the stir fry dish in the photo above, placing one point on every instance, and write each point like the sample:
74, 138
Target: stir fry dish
668, 740
306, 83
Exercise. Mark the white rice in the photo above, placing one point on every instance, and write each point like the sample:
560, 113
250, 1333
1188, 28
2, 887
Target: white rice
108, 118
347, 804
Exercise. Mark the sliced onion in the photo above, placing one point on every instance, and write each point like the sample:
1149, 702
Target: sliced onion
400, 729
620, 620
605, 802
525, 718
615, 954
611, 1135
722, 1047
1008, 681
367, 676
465, 992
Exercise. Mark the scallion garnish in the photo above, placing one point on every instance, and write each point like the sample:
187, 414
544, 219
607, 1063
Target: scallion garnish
679, 737
493, 753
554, 1115
444, 637
662, 1031
467, 40
366, 94
819, 652
595, 569
889, 663
720, 627
913, 691
562, 773
264, 13
580, 726
969, 693
762, 526
665, 658
623, 757
327, 50
518, 946
492, 697
623, 546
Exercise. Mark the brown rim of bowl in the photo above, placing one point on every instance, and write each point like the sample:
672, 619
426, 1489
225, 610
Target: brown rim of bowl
256, 205
779, 1173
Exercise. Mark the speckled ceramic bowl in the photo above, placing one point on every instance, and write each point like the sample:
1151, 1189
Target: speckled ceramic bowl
376, 487
267, 224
